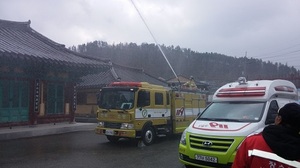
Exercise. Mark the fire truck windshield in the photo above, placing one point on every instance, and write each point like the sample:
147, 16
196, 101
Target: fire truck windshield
234, 111
116, 99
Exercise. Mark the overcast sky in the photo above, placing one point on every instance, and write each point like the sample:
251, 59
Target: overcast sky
264, 29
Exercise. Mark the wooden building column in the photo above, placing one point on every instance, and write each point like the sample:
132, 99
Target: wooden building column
32, 112
70, 101
42, 101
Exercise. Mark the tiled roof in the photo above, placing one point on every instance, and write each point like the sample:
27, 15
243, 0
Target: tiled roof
119, 73
19, 41
96, 80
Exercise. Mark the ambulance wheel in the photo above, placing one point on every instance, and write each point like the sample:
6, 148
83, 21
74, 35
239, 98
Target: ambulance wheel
112, 139
148, 135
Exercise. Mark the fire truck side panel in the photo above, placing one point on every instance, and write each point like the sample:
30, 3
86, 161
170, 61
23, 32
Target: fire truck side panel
187, 105
164, 110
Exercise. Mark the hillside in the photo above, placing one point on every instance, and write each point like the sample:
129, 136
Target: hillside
211, 67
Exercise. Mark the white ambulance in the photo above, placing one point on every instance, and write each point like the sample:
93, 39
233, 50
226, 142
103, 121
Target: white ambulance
238, 109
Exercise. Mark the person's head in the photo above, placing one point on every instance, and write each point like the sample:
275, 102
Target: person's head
289, 116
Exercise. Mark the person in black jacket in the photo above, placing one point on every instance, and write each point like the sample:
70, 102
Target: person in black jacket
278, 146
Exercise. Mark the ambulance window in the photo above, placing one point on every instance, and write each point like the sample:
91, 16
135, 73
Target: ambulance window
143, 98
233, 111
159, 99
272, 112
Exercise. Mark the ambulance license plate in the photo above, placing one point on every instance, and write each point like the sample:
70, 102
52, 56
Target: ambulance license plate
206, 158
109, 132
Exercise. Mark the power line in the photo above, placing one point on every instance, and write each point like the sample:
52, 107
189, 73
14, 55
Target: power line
275, 52
154, 38
282, 54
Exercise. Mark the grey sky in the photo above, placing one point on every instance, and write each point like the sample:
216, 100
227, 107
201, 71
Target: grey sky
265, 29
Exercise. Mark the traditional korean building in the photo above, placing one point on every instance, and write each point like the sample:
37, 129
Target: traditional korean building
38, 76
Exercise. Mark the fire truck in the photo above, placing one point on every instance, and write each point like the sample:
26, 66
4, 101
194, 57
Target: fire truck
238, 109
140, 110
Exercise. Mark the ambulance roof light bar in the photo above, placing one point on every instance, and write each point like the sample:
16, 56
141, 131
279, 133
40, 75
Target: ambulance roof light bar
284, 89
242, 92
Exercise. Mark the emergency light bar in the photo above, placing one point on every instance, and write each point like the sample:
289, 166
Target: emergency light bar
284, 89
128, 84
242, 92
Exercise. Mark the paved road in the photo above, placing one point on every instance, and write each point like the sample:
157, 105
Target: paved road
87, 150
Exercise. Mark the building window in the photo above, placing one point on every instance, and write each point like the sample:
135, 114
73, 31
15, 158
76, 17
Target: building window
84, 98
81, 98
91, 98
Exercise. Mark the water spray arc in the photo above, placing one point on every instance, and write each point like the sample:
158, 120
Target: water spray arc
155, 41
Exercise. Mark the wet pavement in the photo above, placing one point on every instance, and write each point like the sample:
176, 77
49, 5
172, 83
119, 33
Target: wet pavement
17, 132
85, 149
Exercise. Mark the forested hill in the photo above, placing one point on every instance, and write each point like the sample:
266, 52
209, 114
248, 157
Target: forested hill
210, 67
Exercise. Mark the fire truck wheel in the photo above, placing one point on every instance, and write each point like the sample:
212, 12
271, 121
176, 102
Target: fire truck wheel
112, 139
148, 135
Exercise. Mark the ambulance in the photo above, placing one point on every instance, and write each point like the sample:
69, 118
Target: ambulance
144, 111
237, 110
